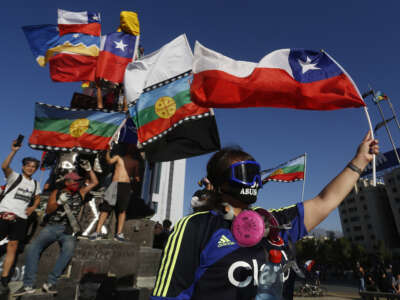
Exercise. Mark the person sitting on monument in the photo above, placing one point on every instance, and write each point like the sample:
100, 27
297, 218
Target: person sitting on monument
160, 237
63, 208
118, 194
18, 201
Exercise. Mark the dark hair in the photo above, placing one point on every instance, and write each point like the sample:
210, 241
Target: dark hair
216, 168
221, 161
166, 223
27, 160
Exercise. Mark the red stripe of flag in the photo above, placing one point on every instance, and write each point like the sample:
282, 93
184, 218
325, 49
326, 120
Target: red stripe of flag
72, 67
159, 125
57, 139
90, 28
271, 87
286, 177
111, 66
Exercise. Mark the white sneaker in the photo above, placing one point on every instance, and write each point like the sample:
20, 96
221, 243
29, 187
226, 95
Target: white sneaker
23, 290
95, 236
49, 288
120, 237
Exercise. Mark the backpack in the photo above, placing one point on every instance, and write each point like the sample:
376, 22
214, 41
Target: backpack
14, 185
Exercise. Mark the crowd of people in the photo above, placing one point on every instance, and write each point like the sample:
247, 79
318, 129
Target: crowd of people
21, 197
218, 252
378, 279
161, 234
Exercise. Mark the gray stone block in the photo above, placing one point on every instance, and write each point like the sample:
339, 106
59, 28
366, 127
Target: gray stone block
105, 256
149, 261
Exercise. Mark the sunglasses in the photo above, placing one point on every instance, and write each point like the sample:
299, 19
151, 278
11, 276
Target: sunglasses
245, 172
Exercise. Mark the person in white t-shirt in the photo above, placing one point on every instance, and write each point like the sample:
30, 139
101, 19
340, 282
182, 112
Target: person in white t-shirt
17, 203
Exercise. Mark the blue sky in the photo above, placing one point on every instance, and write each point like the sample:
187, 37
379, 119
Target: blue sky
361, 35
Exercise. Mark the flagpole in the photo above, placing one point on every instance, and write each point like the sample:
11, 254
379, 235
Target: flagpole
373, 156
304, 180
135, 51
366, 114
41, 177
385, 123
393, 112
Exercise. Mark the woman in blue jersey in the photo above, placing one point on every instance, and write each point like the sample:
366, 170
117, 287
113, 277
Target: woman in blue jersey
203, 259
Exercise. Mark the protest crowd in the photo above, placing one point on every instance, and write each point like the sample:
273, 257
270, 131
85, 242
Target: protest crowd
379, 278
127, 118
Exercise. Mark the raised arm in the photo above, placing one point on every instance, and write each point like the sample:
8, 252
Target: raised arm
6, 163
111, 160
93, 181
99, 96
318, 208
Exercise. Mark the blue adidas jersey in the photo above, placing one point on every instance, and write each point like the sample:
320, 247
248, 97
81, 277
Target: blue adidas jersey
202, 259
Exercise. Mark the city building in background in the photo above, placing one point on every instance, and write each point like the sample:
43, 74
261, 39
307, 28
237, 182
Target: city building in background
368, 216
163, 189
392, 182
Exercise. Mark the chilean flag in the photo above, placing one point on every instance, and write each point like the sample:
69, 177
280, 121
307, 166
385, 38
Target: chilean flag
117, 50
79, 22
290, 78
309, 264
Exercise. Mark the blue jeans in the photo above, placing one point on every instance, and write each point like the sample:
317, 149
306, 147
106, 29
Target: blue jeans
362, 284
49, 235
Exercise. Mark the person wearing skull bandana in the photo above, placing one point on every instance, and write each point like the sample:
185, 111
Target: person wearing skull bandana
213, 254
63, 209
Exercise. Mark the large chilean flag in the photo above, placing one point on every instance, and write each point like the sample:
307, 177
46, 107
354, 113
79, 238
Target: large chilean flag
292, 78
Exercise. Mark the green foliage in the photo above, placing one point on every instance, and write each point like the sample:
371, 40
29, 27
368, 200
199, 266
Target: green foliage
338, 252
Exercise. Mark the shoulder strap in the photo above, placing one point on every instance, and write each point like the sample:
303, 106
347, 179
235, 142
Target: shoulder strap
34, 193
13, 186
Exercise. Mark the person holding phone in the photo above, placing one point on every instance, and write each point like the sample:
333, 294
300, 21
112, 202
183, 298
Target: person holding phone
19, 200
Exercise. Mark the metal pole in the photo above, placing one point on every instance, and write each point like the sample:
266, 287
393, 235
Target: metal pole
373, 156
304, 179
393, 112
387, 130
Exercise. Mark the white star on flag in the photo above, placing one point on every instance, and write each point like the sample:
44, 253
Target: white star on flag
120, 45
307, 65
95, 17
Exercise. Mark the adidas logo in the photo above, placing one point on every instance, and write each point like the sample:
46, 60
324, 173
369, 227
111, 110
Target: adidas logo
224, 241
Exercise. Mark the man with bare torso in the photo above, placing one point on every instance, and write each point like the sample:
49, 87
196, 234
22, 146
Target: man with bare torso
118, 193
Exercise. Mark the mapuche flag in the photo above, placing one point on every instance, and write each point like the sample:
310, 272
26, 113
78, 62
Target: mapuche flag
290, 171
63, 129
170, 126
289, 78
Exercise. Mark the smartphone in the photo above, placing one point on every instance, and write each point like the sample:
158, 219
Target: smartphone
19, 140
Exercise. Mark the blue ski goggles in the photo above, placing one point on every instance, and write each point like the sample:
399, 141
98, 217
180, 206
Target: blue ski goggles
245, 172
